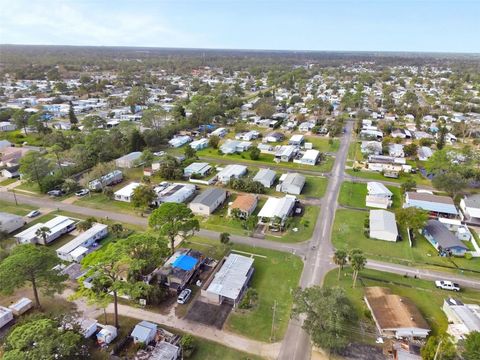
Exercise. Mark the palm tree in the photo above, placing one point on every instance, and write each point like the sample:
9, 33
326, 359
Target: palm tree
340, 259
43, 232
358, 262
224, 238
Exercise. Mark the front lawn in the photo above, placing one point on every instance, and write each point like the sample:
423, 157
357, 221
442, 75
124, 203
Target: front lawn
348, 234
7, 182
20, 209
353, 194
102, 202
423, 293
323, 144
315, 187
378, 176
270, 266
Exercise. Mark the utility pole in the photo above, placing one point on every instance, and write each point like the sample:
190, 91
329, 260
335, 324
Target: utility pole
14, 196
272, 334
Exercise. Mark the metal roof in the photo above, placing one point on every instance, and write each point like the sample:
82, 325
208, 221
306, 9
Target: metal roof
442, 235
209, 196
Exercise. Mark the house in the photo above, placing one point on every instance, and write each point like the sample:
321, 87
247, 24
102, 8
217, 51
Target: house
179, 269
396, 150
10, 223
199, 169
460, 230
11, 172
7, 126
306, 126
229, 280
424, 153
285, 153
371, 147
245, 204
77, 248
383, 225
199, 144
57, 226
230, 172
470, 206
208, 201
462, 318
370, 134
309, 157
125, 193
277, 208
435, 204
401, 134
274, 137
21, 306
220, 132
296, 140
378, 195
112, 178
235, 146
11, 156
248, 136
6, 315
266, 177
443, 240
144, 332
178, 141
291, 183
173, 192
395, 316
164, 350
128, 161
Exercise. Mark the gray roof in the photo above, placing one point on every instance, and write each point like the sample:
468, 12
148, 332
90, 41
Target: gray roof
294, 179
209, 196
442, 235
264, 174
473, 201
7, 216
164, 351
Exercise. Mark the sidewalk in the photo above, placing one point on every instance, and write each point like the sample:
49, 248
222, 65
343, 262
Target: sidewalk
269, 351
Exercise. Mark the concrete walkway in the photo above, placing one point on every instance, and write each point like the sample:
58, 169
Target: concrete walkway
269, 351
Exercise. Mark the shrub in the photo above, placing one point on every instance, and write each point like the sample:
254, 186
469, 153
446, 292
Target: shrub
468, 256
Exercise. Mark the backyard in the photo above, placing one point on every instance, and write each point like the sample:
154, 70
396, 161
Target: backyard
423, 293
348, 233
270, 266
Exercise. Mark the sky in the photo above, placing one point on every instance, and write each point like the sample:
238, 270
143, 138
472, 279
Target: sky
354, 25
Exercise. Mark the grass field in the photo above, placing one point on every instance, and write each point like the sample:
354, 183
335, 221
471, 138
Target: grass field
348, 234
315, 187
353, 194
378, 176
7, 181
265, 160
18, 137
103, 202
272, 266
19, 209
423, 293
323, 144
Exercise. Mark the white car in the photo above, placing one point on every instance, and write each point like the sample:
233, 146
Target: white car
82, 192
33, 213
447, 285
184, 296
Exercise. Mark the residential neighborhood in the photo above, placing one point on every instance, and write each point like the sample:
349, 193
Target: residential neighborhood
174, 204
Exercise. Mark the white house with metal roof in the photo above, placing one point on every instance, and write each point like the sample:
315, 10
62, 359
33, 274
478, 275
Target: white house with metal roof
470, 206
291, 183
230, 172
441, 205
57, 226
462, 318
383, 225
70, 252
229, 282
277, 208
125, 193
266, 177
129, 160
208, 201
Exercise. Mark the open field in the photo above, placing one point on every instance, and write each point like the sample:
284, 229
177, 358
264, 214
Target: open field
19, 209
353, 194
323, 144
348, 234
423, 293
273, 265
315, 187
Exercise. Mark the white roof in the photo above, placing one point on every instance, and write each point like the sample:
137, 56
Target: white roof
277, 207
197, 167
264, 174
376, 188
311, 155
232, 170
80, 239
20, 304
56, 224
231, 278
381, 220
297, 138
127, 191
79, 251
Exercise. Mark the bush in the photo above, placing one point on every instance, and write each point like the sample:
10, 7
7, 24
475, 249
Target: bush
188, 345
468, 256
249, 300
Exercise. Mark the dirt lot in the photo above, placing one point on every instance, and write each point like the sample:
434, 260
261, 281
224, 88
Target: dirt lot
209, 314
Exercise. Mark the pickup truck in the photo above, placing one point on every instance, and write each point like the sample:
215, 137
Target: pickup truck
447, 285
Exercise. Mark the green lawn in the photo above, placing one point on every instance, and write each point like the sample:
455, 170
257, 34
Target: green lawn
354, 151
257, 323
423, 293
348, 234
266, 160
353, 194
378, 176
323, 144
7, 182
18, 137
315, 186
11, 208
103, 202
304, 225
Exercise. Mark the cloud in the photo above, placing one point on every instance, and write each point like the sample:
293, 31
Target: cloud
87, 23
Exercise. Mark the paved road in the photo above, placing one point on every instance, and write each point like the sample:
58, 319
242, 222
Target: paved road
43, 202
296, 344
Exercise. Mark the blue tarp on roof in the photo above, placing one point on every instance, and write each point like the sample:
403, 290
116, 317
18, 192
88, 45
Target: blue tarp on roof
185, 262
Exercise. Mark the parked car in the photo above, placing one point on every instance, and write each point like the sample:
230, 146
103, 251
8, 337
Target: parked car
82, 192
33, 213
55, 193
184, 296
447, 285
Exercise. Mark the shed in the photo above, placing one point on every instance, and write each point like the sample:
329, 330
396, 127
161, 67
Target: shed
383, 225
144, 332
107, 334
